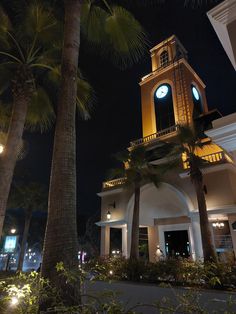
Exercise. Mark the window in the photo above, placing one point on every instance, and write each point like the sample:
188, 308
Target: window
164, 58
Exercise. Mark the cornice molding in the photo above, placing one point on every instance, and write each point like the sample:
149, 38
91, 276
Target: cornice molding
110, 192
224, 13
224, 136
157, 73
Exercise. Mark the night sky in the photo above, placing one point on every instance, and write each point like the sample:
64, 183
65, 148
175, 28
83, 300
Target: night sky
117, 115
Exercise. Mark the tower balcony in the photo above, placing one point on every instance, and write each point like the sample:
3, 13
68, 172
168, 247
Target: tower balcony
152, 138
214, 158
113, 183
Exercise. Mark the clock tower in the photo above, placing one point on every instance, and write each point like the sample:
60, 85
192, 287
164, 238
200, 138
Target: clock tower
172, 93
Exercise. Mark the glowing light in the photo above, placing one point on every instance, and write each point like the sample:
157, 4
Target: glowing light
218, 225
111, 272
108, 215
195, 93
1, 148
162, 91
14, 301
10, 244
13, 230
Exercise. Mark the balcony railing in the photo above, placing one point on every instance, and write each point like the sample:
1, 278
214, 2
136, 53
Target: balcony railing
218, 157
223, 241
153, 137
113, 183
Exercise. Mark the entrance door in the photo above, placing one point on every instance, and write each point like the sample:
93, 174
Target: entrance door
177, 243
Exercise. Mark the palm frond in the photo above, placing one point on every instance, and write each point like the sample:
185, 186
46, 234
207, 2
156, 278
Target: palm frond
85, 98
85, 94
28, 196
122, 156
115, 173
39, 23
40, 115
50, 57
5, 26
93, 20
138, 157
127, 41
186, 135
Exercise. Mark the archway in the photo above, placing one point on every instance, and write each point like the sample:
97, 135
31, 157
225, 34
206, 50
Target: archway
163, 209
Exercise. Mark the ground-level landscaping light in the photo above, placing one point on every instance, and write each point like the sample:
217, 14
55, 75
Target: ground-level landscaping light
14, 301
1, 148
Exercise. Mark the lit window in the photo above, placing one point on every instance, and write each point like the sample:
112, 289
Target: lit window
164, 58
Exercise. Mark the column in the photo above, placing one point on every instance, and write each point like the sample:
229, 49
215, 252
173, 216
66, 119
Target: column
152, 243
129, 230
232, 219
196, 242
124, 241
105, 241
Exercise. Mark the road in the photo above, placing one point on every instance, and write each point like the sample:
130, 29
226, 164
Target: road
212, 301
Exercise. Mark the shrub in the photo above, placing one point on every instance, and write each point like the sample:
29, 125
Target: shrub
174, 271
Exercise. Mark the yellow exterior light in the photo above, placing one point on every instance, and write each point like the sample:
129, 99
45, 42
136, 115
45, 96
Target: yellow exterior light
1, 148
108, 215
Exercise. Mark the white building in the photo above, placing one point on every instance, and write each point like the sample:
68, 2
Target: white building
223, 20
174, 94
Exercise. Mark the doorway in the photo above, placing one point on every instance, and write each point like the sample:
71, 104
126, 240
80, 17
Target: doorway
177, 243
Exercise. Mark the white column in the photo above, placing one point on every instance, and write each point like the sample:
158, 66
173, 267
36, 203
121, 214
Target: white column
232, 219
124, 242
105, 241
197, 239
129, 229
152, 243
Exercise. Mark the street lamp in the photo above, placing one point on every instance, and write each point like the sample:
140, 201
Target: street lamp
13, 230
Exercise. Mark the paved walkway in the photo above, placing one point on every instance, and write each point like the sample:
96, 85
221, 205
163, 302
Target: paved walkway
130, 294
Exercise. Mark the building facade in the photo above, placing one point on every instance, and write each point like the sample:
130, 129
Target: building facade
223, 20
173, 94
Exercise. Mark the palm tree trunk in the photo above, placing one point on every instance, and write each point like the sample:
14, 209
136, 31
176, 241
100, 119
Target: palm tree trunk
28, 216
21, 97
209, 253
134, 250
61, 243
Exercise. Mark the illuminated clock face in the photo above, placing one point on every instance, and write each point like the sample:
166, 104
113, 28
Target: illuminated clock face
195, 93
162, 91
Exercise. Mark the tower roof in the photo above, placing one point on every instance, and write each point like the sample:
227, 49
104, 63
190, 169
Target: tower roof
171, 39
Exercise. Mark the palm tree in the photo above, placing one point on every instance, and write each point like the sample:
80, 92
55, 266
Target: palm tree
32, 50
137, 171
115, 31
189, 143
28, 197
24, 43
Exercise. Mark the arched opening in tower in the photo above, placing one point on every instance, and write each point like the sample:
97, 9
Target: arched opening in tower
164, 109
197, 101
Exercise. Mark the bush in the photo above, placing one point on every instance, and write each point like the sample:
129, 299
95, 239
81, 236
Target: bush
174, 271
20, 293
